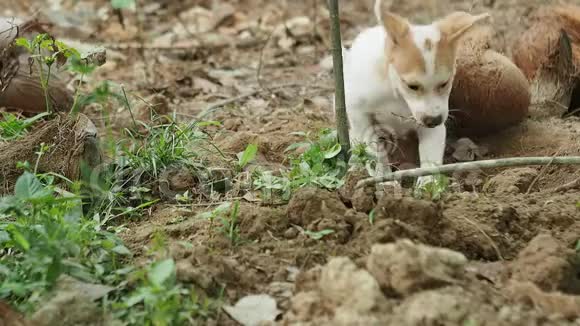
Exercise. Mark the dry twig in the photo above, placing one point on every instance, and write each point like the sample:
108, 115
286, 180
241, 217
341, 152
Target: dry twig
470, 166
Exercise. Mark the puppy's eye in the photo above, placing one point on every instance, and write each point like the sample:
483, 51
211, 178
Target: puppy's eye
414, 87
443, 85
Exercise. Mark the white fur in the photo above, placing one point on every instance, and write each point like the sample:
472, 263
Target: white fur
396, 108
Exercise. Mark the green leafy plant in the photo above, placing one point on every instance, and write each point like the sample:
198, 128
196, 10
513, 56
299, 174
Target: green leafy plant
226, 215
361, 157
43, 234
247, 156
164, 145
45, 52
11, 127
318, 165
159, 300
434, 189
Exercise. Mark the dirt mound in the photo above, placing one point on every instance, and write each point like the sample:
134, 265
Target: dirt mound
549, 264
432, 288
404, 268
512, 181
318, 210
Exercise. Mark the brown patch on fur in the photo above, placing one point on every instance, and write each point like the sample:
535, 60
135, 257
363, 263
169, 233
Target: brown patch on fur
403, 53
452, 27
407, 58
445, 55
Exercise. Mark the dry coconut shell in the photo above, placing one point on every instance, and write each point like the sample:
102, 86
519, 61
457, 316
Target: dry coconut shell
548, 53
71, 141
534, 48
20, 88
489, 92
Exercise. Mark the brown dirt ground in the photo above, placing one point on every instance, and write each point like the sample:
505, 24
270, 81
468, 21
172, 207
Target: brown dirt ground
513, 260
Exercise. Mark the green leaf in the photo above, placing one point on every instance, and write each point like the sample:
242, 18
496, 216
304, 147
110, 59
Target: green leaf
54, 269
19, 239
121, 250
29, 187
209, 124
372, 217
332, 152
320, 234
161, 271
21, 41
248, 155
122, 4
4, 236
79, 66
296, 146
134, 299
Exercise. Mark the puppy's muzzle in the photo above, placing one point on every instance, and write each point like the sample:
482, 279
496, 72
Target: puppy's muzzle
432, 121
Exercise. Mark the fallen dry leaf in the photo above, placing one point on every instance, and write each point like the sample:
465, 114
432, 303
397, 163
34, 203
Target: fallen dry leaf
253, 309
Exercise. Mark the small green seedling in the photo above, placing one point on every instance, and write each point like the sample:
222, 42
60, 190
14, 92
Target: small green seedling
319, 234
318, 165
247, 156
227, 217
45, 52
11, 127
433, 190
372, 216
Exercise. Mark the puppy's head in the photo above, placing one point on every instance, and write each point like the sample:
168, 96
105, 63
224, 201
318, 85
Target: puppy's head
422, 61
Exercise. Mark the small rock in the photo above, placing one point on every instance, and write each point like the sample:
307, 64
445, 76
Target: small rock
404, 267
310, 204
547, 263
549, 303
291, 233
252, 310
361, 199
511, 181
465, 150
434, 308
345, 286
154, 105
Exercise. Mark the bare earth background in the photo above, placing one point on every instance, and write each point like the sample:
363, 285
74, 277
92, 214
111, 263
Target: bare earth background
197, 53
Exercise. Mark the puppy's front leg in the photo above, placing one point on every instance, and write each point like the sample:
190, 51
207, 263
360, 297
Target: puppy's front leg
431, 149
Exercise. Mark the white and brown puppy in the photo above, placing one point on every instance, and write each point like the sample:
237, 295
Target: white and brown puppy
398, 78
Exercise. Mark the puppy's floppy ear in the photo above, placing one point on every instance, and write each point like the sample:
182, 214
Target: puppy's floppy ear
397, 27
454, 25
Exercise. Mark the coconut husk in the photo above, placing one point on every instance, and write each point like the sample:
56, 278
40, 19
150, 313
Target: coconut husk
535, 48
549, 55
489, 92
554, 83
20, 88
72, 140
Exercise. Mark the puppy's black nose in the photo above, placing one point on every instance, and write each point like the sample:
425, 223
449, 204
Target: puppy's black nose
432, 121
